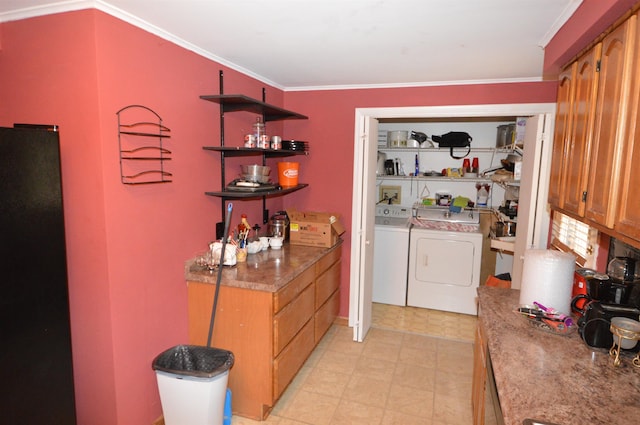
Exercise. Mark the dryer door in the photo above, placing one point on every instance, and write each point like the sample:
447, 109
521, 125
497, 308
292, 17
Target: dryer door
448, 262
444, 270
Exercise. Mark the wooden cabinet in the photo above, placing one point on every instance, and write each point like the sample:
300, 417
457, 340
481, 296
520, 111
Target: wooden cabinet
610, 121
628, 217
592, 170
271, 334
478, 387
559, 155
581, 130
486, 408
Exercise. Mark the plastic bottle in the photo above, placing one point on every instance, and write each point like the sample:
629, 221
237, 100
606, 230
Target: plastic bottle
243, 231
483, 197
417, 166
244, 225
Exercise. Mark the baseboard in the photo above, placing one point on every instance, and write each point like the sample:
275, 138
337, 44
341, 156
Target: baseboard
340, 321
159, 421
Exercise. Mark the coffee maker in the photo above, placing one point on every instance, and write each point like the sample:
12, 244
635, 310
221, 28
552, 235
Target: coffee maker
625, 281
605, 296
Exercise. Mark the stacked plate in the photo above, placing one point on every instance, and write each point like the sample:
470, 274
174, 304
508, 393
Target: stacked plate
295, 145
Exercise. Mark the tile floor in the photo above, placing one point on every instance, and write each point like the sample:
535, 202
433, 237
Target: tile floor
414, 367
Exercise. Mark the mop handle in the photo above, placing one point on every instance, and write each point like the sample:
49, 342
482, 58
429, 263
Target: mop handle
225, 235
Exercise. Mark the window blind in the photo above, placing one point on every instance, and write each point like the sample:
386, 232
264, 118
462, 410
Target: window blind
571, 235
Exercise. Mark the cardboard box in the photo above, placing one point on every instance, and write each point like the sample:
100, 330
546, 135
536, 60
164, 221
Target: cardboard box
319, 229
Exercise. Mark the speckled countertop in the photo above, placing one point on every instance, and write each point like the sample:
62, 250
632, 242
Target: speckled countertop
264, 271
554, 378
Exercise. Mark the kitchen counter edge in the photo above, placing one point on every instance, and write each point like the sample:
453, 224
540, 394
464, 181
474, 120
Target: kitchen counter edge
267, 270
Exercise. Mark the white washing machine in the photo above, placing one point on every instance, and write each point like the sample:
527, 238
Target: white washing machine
391, 254
445, 252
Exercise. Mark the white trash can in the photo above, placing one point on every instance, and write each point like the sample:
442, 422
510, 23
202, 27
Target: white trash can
192, 381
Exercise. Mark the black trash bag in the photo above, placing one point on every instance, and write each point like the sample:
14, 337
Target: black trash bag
194, 360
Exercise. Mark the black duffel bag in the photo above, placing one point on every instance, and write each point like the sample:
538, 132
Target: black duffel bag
454, 139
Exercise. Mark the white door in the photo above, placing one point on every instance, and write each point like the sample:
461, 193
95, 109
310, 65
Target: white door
533, 214
363, 224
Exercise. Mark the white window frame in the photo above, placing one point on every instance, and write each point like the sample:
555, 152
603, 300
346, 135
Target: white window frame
571, 235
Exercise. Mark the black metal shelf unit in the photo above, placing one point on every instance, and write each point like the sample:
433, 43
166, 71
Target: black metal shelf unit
238, 102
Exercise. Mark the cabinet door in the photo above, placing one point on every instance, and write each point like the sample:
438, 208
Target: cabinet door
613, 94
562, 126
576, 166
628, 220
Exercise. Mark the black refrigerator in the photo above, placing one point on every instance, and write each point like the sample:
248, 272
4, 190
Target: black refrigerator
36, 374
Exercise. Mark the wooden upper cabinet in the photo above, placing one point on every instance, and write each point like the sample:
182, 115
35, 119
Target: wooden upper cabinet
628, 219
562, 125
576, 168
612, 100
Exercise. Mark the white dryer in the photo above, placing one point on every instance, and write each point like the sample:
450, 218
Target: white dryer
391, 254
445, 252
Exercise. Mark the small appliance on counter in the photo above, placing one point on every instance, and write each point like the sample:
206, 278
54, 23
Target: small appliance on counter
580, 277
279, 225
625, 282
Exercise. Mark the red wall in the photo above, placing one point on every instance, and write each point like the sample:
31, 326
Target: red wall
587, 23
127, 244
331, 130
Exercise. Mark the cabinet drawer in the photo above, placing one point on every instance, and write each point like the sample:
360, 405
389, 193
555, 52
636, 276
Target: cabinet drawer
326, 261
287, 364
327, 283
289, 292
326, 314
292, 318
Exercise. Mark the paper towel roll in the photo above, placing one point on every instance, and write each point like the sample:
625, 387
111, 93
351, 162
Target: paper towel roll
547, 277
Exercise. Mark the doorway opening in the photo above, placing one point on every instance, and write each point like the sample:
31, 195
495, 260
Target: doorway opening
364, 181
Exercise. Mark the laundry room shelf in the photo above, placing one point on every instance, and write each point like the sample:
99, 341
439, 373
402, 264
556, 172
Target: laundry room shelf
438, 178
505, 243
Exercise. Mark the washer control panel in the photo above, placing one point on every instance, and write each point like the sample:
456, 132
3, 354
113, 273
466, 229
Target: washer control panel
393, 211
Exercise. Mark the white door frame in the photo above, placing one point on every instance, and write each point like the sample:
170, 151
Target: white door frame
360, 220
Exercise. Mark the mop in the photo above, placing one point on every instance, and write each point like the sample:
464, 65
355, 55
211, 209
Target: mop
199, 364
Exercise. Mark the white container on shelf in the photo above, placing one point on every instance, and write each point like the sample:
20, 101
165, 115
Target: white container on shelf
397, 138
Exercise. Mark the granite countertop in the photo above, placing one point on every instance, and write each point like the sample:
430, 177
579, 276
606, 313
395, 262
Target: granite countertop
266, 270
554, 378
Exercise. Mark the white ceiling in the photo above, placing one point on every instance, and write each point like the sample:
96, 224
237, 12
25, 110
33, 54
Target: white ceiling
318, 44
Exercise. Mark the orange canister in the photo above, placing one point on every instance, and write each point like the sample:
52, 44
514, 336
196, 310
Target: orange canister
288, 173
